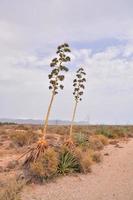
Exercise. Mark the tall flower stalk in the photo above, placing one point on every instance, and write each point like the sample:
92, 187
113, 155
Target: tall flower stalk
79, 86
56, 77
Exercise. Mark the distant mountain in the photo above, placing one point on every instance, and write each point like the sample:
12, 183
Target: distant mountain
32, 121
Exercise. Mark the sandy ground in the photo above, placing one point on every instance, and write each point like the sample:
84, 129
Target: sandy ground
110, 180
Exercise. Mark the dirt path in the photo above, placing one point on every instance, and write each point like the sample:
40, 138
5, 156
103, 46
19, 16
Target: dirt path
111, 180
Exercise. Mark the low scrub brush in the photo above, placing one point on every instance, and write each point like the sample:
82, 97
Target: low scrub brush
103, 139
95, 143
80, 139
23, 138
86, 162
45, 166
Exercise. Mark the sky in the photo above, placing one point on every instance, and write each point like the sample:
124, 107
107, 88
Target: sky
100, 35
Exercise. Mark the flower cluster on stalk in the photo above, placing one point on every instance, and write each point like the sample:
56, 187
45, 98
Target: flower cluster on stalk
58, 66
78, 84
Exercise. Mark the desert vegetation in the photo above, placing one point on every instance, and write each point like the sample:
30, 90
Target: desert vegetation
58, 159
78, 84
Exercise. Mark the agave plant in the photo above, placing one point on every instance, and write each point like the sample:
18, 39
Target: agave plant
68, 163
78, 84
56, 78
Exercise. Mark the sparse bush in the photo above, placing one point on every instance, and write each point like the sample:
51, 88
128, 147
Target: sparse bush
78, 152
86, 161
45, 167
95, 143
80, 139
68, 162
106, 132
119, 132
23, 138
12, 190
103, 139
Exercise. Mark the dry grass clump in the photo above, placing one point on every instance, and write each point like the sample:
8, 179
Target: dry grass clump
95, 143
23, 138
80, 139
86, 161
103, 139
112, 132
45, 167
12, 190
106, 132
119, 132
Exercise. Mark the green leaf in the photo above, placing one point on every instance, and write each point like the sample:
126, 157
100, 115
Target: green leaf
79, 76
61, 87
75, 80
80, 93
50, 76
68, 58
66, 50
61, 77
63, 68
84, 79
66, 45
52, 64
50, 87
52, 82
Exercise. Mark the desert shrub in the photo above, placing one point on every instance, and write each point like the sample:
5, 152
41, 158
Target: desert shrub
97, 157
78, 152
95, 143
12, 190
119, 132
80, 139
106, 132
23, 138
68, 163
45, 167
103, 139
85, 161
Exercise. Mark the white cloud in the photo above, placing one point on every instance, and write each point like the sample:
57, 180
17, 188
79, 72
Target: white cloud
108, 89
29, 34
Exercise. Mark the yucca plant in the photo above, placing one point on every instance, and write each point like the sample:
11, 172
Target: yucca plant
78, 84
55, 83
68, 163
